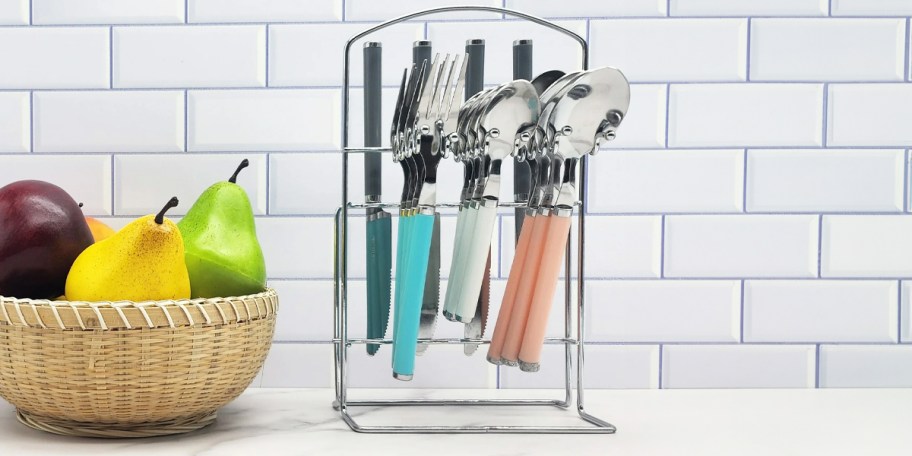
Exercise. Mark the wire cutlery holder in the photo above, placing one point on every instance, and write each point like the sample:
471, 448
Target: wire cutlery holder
573, 305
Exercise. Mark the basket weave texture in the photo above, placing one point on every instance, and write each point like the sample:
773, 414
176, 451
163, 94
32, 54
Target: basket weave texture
124, 369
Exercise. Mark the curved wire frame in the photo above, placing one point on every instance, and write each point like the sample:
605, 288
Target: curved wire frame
341, 340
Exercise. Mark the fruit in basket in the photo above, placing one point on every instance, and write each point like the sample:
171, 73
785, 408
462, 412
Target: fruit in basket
42, 231
100, 230
144, 261
223, 254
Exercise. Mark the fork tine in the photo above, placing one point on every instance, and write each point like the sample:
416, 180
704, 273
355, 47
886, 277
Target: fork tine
453, 103
443, 88
399, 100
427, 88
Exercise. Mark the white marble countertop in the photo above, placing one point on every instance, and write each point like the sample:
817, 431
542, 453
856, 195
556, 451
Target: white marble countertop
273, 422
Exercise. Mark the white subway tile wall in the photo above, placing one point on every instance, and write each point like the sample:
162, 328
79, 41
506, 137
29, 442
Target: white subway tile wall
750, 226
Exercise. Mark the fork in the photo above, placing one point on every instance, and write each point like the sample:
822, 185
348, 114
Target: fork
425, 140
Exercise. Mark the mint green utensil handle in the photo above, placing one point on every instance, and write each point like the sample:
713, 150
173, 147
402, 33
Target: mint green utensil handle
457, 268
409, 310
477, 244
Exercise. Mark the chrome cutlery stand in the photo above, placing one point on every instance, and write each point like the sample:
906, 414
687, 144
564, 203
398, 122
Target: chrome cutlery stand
343, 343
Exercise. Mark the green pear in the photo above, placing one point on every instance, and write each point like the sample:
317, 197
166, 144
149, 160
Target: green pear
222, 252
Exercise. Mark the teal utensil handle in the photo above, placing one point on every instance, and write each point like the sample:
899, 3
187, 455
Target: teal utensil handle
379, 264
373, 290
401, 243
409, 310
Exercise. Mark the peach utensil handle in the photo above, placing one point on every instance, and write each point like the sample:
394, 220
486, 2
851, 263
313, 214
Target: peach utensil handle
506, 306
513, 339
545, 285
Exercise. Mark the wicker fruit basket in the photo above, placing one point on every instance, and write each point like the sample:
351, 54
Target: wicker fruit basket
125, 369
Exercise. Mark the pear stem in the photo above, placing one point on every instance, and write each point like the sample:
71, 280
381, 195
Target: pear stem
245, 163
160, 217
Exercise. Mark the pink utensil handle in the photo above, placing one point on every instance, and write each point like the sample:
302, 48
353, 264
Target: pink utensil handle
506, 306
514, 336
545, 285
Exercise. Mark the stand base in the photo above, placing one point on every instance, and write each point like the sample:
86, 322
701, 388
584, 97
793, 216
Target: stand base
597, 426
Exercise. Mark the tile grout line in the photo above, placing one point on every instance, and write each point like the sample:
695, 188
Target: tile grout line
343, 10
480, 20
662, 251
186, 11
661, 364
32, 121
749, 33
267, 55
268, 184
111, 57
667, 111
500, 222
741, 340
899, 306
819, 246
905, 198
744, 184
31, 13
113, 181
826, 115
186, 120
829, 8
817, 366
906, 57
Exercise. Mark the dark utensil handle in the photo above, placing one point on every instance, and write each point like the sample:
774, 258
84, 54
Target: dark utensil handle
373, 77
522, 178
421, 51
475, 49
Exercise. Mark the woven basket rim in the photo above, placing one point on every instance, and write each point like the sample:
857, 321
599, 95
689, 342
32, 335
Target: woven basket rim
105, 315
126, 303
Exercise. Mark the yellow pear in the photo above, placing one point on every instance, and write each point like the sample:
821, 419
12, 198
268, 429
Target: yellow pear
144, 261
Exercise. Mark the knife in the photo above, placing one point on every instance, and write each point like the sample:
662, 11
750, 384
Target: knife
430, 303
379, 222
474, 329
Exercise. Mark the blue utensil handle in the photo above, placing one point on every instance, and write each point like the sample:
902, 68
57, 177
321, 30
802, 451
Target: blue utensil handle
409, 308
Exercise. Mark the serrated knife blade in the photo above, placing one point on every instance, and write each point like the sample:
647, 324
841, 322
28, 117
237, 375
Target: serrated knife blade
475, 329
430, 304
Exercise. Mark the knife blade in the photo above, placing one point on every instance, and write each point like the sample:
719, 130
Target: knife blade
431, 301
475, 329
379, 229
